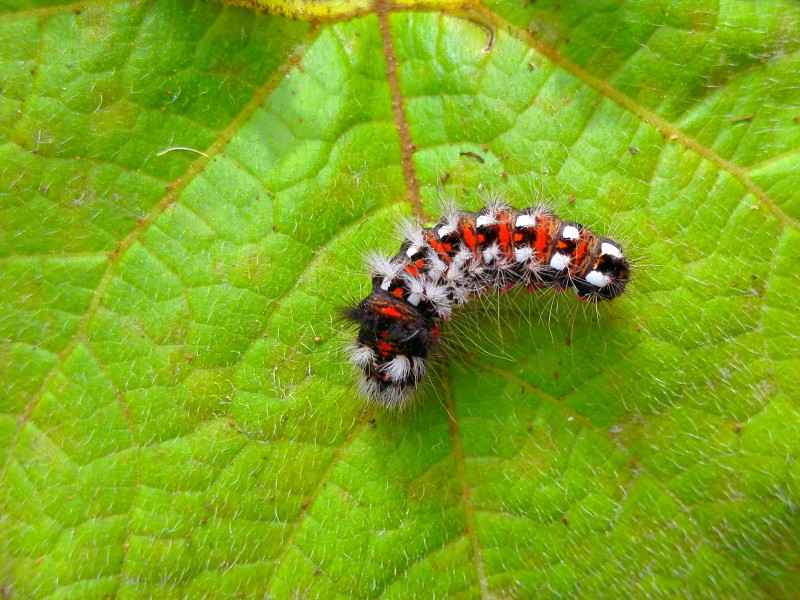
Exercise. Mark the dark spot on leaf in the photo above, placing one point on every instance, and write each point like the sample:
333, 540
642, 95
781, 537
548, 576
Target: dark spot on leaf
477, 157
633, 149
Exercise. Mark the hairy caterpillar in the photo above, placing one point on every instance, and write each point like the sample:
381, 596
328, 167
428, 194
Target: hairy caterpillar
466, 254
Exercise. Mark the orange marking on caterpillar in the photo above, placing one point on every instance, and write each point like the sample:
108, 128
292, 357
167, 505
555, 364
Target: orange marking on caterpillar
580, 252
390, 311
504, 235
442, 250
469, 239
541, 241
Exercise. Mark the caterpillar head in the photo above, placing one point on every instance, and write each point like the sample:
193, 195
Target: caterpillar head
391, 348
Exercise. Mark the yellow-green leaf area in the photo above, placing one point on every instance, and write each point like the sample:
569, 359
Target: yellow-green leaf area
187, 192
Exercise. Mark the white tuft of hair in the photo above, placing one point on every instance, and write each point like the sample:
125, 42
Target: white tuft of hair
382, 265
398, 369
361, 355
411, 230
493, 199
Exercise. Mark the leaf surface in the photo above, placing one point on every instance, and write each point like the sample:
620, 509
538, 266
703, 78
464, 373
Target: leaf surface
187, 191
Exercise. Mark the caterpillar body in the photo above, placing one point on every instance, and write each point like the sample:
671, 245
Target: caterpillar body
466, 254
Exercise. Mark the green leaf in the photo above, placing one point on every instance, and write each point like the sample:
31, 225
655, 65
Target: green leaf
185, 195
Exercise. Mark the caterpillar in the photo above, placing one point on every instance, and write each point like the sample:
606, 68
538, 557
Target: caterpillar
463, 255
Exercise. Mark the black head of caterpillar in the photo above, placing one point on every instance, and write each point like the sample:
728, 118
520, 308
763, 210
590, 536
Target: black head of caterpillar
467, 253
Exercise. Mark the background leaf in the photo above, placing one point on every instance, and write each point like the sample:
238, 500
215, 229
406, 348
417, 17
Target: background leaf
185, 193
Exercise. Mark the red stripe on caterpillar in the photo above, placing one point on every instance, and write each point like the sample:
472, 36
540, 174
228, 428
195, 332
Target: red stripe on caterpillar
464, 254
